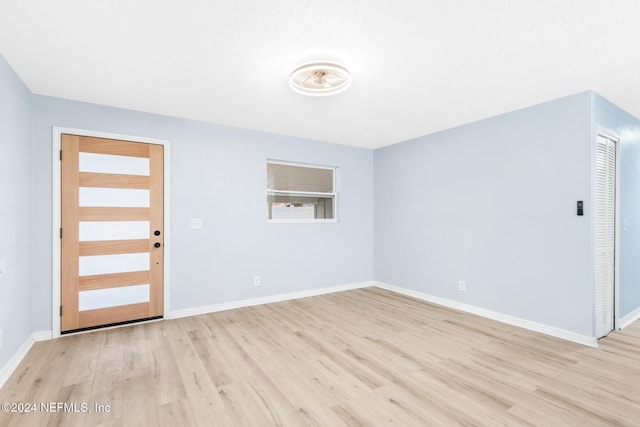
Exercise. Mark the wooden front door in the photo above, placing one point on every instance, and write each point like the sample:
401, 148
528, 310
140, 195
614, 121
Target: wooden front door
112, 235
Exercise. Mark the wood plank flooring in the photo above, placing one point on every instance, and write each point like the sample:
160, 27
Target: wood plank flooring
366, 357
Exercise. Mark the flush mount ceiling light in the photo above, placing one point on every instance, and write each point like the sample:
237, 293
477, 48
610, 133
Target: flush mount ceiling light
320, 78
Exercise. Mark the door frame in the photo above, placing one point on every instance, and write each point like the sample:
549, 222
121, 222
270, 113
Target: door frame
616, 275
56, 214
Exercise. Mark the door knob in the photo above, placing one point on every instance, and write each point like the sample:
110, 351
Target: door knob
156, 233
157, 245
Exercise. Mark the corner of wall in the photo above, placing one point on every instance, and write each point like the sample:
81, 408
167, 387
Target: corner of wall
16, 243
12, 364
564, 334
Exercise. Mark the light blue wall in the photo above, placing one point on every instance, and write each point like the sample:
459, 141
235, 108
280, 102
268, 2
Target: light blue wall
15, 211
219, 174
607, 116
493, 203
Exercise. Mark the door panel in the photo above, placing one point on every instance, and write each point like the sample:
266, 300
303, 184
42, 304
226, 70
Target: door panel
113, 297
113, 230
114, 263
113, 214
105, 163
605, 233
103, 281
110, 247
112, 221
105, 316
110, 180
113, 197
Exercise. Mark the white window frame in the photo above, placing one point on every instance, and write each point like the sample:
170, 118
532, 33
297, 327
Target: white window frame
333, 194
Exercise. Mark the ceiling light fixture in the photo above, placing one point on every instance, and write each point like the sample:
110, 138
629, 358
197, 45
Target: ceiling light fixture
320, 78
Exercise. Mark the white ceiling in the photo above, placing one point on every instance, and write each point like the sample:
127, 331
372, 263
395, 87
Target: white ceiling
418, 66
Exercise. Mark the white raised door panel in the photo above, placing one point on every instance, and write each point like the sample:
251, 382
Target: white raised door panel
605, 233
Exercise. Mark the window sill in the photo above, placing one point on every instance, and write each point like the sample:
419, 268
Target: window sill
300, 221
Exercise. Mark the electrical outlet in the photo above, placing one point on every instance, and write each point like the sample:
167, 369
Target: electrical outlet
196, 223
462, 286
256, 280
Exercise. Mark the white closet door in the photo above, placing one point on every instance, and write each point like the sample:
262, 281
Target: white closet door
605, 220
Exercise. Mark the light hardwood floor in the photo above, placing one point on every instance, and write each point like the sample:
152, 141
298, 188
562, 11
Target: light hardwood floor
356, 358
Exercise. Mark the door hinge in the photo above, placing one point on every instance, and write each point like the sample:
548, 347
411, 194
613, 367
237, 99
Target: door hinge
60, 155
61, 232
60, 311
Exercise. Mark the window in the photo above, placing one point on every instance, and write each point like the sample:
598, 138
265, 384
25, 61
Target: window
300, 193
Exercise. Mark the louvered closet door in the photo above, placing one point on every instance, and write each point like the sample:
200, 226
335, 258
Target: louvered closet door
605, 219
112, 231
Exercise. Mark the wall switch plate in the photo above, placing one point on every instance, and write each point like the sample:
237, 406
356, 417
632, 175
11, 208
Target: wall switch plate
462, 286
3, 264
256, 280
196, 223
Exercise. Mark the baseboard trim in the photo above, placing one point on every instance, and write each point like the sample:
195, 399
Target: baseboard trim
42, 336
494, 315
265, 300
8, 369
630, 318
